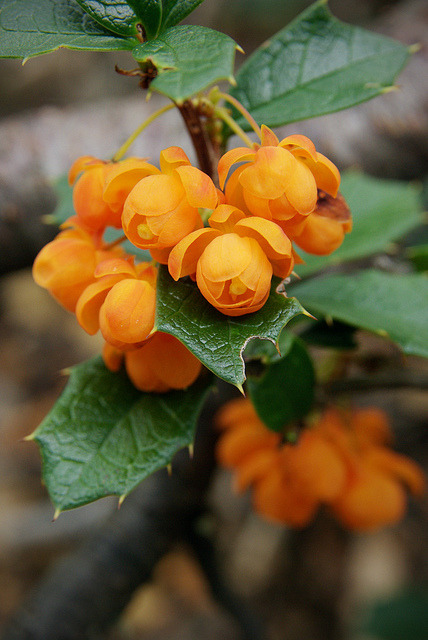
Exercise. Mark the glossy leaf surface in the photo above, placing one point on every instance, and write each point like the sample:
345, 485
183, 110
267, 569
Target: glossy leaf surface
187, 59
390, 304
114, 15
104, 437
30, 28
316, 65
285, 392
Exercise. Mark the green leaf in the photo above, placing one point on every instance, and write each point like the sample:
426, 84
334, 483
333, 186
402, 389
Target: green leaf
392, 305
103, 436
30, 28
114, 15
150, 14
187, 59
419, 256
334, 335
285, 393
402, 615
218, 340
174, 11
382, 211
316, 65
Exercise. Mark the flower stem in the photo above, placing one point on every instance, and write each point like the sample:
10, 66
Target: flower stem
217, 95
222, 113
124, 148
114, 243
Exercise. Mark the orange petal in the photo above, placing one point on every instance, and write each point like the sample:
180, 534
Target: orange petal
122, 177
80, 165
271, 173
236, 412
128, 312
239, 154
115, 266
234, 194
171, 158
185, 255
226, 257
399, 467
316, 466
258, 206
326, 174
268, 138
371, 426
268, 234
300, 146
224, 217
140, 372
237, 445
255, 467
320, 236
302, 191
199, 188
172, 362
276, 500
89, 304
160, 255
372, 500
112, 357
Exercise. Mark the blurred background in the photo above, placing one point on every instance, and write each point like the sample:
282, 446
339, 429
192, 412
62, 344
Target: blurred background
322, 583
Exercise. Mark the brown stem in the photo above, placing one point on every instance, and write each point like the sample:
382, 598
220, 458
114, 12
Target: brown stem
207, 156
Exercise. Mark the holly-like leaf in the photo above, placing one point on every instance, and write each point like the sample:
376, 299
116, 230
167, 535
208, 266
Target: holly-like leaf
285, 392
30, 28
114, 15
187, 59
382, 212
218, 340
316, 65
103, 436
390, 304
174, 11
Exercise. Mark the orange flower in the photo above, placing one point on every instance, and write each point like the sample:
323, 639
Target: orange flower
323, 231
341, 461
233, 260
100, 192
121, 302
66, 265
279, 180
162, 209
161, 364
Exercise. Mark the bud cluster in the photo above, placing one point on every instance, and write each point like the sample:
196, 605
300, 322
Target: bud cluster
342, 461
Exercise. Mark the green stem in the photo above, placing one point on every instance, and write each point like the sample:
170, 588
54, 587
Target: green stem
124, 148
222, 113
242, 110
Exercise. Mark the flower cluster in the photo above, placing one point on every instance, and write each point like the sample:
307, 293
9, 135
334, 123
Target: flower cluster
281, 192
342, 461
104, 286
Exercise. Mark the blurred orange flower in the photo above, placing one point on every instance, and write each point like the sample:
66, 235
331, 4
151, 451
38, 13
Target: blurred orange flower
163, 208
342, 461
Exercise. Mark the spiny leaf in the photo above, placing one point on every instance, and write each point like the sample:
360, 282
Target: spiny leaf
187, 60
393, 305
104, 437
316, 65
30, 28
